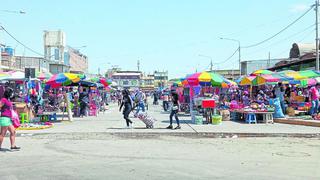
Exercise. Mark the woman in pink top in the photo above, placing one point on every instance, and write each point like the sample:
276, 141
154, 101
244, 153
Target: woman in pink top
5, 119
314, 99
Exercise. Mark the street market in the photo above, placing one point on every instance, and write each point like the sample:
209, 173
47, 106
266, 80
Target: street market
159, 90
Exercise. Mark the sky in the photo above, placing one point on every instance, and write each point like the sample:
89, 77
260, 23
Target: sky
163, 34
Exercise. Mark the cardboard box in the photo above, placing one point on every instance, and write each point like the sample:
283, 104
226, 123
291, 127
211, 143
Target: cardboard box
225, 115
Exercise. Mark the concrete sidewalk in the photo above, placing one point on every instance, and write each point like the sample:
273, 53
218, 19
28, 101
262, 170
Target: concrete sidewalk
111, 122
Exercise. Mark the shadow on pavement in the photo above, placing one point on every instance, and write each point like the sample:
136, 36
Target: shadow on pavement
137, 128
5, 150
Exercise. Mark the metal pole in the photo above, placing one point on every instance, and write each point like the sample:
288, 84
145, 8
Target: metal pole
239, 58
269, 59
317, 38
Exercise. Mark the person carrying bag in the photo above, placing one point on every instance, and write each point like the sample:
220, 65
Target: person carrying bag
6, 119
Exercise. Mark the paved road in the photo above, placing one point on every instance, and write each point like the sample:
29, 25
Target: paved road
92, 156
85, 149
112, 122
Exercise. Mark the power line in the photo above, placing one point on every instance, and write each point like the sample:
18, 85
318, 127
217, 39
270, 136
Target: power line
229, 57
292, 23
304, 37
282, 40
258, 26
25, 46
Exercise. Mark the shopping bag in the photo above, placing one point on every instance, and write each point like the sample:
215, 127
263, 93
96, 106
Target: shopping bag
15, 119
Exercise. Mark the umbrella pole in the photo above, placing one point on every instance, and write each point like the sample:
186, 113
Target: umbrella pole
191, 105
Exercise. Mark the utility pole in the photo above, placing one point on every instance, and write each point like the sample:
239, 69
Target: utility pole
239, 49
138, 64
317, 37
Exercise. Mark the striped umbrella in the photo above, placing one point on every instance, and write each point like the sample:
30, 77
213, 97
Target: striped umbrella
247, 80
209, 79
64, 79
261, 71
264, 79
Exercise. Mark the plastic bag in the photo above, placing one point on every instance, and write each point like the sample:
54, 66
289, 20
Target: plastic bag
15, 119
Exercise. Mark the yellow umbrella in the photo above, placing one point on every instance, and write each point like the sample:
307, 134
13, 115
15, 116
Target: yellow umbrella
247, 80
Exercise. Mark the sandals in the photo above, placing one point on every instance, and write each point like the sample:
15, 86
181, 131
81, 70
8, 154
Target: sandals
15, 148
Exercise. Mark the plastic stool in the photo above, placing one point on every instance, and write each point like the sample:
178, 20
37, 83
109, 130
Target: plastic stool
24, 118
53, 117
268, 118
251, 118
44, 118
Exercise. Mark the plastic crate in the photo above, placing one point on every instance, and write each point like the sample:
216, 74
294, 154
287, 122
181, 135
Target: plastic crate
208, 103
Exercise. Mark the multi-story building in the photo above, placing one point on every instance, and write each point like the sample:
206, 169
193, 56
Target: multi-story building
78, 62
231, 74
147, 83
127, 79
38, 63
54, 51
161, 79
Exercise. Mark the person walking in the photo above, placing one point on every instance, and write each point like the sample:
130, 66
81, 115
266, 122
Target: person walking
165, 101
174, 110
127, 103
5, 119
314, 99
139, 100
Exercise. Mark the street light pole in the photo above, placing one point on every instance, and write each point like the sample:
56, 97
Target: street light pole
239, 50
317, 36
11, 11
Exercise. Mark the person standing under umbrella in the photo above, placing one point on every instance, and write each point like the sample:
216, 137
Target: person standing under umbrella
84, 101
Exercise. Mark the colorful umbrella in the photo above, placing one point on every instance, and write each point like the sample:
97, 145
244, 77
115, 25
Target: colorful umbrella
209, 79
193, 80
178, 83
264, 79
3, 75
247, 80
261, 71
309, 74
43, 75
105, 82
308, 82
64, 79
15, 75
293, 74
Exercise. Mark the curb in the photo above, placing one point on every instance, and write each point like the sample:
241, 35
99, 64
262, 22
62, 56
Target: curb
177, 134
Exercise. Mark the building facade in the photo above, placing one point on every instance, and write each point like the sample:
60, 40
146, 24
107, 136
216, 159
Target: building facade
161, 79
54, 51
247, 67
78, 62
231, 74
38, 63
127, 79
147, 83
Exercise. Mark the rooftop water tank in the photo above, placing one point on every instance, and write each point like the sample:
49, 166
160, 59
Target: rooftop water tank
9, 50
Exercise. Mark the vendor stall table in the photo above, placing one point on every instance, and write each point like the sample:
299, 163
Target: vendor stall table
267, 116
